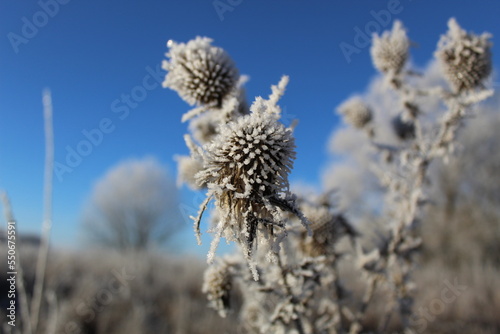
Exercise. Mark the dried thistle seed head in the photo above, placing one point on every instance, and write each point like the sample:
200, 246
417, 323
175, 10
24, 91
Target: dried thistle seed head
253, 154
247, 166
217, 286
356, 112
404, 129
390, 51
201, 73
246, 170
465, 58
327, 228
324, 235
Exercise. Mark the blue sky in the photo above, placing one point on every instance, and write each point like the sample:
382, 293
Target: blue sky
92, 54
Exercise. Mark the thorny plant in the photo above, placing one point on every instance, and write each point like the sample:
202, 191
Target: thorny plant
242, 157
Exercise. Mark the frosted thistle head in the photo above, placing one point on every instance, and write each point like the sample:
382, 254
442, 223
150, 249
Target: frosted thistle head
201, 73
246, 170
322, 242
356, 112
465, 58
390, 51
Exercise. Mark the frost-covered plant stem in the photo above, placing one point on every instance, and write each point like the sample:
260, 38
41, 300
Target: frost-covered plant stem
47, 208
405, 172
23, 296
420, 154
289, 294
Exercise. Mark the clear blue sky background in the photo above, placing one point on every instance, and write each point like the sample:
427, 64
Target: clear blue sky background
91, 52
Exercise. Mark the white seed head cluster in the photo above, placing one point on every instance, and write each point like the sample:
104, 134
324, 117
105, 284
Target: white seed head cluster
356, 112
217, 286
252, 155
465, 58
246, 169
390, 51
201, 73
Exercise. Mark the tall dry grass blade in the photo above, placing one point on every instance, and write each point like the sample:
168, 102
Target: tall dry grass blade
47, 210
23, 296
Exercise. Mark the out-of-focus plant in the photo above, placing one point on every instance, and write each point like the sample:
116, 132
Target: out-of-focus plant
242, 159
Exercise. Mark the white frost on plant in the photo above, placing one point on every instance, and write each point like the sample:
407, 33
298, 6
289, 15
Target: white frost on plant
390, 51
356, 112
217, 286
465, 58
202, 74
187, 168
327, 226
350, 172
246, 169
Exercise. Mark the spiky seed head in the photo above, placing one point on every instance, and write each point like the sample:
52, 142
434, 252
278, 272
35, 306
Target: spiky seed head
356, 112
465, 58
323, 238
327, 228
201, 73
247, 167
217, 285
390, 51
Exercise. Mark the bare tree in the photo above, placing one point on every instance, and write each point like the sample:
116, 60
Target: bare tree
133, 206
